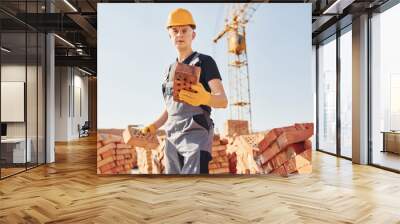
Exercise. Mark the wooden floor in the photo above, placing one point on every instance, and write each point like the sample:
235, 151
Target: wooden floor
69, 191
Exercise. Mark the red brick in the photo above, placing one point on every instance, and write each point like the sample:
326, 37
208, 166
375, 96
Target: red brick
216, 140
299, 161
123, 146
108, 153
218, 148
267, 168
304, 170
135, 138
291, 137
112, 139
184, 77
120, 162
269, 138
272, 135
219, 171
223, 141
270, 152
122, 151
105, 161
302, 126
236, 127
120, 157
107, 167
105, 148
281, 171
117, 169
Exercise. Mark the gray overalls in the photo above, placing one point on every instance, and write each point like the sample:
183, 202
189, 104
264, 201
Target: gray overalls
189, 129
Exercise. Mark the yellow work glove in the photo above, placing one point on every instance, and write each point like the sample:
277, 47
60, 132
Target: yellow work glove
149, 129
200, 97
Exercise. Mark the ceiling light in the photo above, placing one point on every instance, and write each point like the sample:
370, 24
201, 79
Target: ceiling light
338, 6
5, 50
65, 41
84, 71
70, 5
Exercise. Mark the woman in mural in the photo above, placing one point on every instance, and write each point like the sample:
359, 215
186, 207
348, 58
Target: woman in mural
188, 124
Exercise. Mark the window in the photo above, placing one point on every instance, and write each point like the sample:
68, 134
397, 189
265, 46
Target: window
385, 88
327, 96
346, 93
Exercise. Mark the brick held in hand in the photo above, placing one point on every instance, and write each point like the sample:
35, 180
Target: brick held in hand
184, 76
136, 138
291, 137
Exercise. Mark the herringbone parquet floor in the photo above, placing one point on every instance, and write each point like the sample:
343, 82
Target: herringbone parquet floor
69, 191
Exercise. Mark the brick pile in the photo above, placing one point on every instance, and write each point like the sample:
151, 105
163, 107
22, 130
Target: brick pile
286, 150
184, 77
113, 155
219, 163
241, 149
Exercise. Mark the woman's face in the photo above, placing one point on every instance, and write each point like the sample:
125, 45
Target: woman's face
181, 36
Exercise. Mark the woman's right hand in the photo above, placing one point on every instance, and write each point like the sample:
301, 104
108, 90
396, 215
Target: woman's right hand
151, 128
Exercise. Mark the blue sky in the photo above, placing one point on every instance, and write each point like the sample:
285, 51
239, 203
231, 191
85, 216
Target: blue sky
134, 49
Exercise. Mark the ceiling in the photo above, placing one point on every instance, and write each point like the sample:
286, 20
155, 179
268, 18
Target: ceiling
76, 22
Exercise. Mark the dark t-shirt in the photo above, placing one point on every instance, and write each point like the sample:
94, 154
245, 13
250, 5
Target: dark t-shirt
209, 71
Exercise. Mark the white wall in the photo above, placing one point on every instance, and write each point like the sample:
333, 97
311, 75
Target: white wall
69, 82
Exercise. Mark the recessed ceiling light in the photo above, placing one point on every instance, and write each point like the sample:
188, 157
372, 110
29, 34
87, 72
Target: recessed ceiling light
64, 40
70, 5
5, 50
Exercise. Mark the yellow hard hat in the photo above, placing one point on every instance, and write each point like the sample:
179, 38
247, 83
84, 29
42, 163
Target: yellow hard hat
180, 17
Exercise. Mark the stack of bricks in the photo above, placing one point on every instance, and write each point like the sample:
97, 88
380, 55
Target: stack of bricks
219, 163
184, 77
236, 128
242, 147
113, 155
286, 150
144, 144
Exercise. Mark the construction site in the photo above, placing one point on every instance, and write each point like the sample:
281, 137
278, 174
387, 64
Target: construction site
301, 114
238, 149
